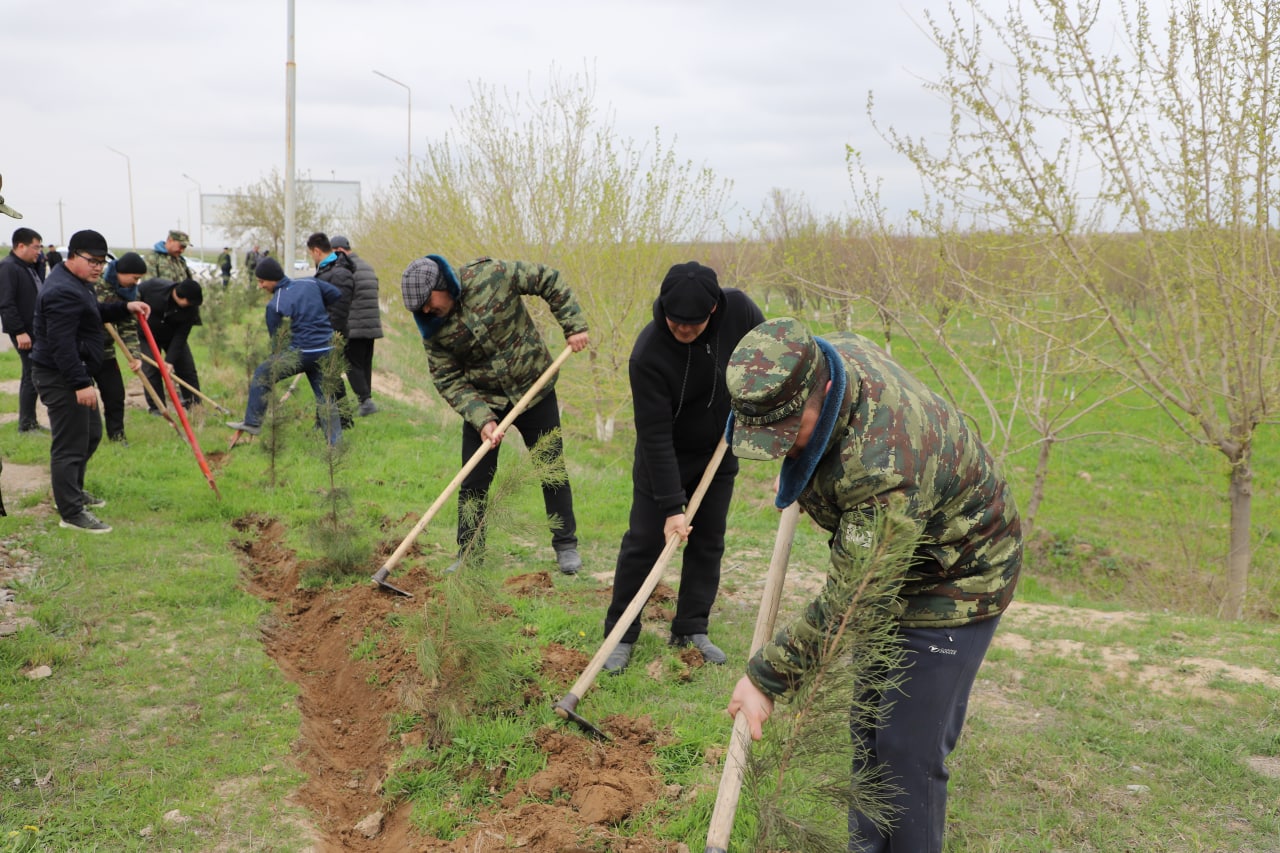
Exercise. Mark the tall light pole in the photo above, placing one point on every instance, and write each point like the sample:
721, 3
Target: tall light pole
133, 231
200, 198
408, 150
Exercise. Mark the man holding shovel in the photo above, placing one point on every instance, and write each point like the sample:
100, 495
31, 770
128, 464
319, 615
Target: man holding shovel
484, 353
855, 429
681, 403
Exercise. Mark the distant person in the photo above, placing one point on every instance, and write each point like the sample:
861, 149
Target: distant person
166, 258
119, 283
303, 302
681, 405
856, 431
364, 326
224, 265
485, 353
67, 352
20, 282
251, 259
175, 311
52, 258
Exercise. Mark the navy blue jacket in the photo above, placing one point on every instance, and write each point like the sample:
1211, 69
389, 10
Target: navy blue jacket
67, 331
304, 302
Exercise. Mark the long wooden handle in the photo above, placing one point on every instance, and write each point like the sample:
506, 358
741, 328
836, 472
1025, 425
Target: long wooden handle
516, 410
146, 383
588, 676
740, 741
176, 378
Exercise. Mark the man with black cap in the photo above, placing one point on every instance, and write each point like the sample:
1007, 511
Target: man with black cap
304, 303
119, 283
681, 404
20, 280
67, 353
364, 325
858, 431
485, 353
166, 260
175, 311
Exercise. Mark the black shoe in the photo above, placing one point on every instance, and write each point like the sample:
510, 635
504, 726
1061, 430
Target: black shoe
86, 521
618, 659
241, 426
119, 438
33, 428
569, 561
367, 407
91, 501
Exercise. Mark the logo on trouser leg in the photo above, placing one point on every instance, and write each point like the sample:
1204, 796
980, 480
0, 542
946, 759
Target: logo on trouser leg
938, 650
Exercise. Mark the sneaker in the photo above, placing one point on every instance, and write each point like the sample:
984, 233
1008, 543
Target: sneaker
244, 427
91, 501
367, 407
33, 428
710, 651
453, 567
618, 659
569, 561
86, 521
119, 438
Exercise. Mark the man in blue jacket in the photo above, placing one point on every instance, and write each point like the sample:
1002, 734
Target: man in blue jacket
304, 302
67, 351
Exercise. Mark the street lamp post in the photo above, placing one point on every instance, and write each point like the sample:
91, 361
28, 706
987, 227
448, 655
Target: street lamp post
200, 197
408, 150
133, 231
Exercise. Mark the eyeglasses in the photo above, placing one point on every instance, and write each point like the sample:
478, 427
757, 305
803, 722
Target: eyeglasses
92, 261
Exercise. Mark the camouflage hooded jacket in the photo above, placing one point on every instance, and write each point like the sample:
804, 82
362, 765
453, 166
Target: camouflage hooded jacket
897, 437
487, 353
161, 264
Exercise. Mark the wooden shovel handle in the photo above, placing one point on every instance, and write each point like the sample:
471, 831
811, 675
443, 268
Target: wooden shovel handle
740, 741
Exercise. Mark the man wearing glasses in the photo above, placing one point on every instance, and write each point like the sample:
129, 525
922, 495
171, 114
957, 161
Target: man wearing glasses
68, 349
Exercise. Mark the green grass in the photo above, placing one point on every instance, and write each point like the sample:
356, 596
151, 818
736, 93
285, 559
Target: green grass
163, 698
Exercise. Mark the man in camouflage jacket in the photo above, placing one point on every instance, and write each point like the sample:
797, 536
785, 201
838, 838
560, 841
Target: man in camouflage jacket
166, 260
485, 353
857, 430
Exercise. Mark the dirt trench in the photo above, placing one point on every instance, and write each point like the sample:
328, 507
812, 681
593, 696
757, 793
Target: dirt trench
345, 749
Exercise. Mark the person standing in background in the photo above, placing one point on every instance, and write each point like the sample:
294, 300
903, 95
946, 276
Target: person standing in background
364, 325
20, 281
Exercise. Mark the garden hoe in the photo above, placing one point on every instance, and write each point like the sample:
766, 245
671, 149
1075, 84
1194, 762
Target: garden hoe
740, 740
567, 706
380, 577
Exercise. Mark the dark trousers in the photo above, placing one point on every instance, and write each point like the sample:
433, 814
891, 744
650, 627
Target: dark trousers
533, 423
643, 542
360, 367
76, 431
273, 370
111, 387
178, 353
26, 390
923, 719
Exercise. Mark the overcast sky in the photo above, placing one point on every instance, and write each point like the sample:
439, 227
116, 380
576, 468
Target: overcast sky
765, 94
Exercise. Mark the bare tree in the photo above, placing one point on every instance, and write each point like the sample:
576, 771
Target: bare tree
1058, 136
254, 215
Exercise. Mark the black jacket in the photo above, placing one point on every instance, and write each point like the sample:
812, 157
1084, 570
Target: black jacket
19, 284
365, 318
68, 333
338, 270
168, 322
680, 400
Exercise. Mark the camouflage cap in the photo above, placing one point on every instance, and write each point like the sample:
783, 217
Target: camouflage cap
180, 236
770, 375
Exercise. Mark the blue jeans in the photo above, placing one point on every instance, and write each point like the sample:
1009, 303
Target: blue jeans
922, 722
306, 362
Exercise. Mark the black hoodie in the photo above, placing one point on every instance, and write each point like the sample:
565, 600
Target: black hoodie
680, 400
